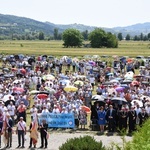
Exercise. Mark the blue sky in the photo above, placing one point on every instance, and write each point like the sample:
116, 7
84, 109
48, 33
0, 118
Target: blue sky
100, 13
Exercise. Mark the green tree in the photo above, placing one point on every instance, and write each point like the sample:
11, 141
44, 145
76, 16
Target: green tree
148, 35
128, 37
59, 36
85, 34
120, 37
141, 36
136, 38
72, 38
112, 41
98, 38
41, 36
145, 38
56, 34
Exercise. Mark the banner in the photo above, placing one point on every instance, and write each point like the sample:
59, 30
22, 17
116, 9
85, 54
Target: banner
58, 120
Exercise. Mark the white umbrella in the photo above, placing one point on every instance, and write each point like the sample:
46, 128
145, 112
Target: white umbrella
98, 97
7, 97
17, 81
129, 75
119, 100
134, 102
114, 81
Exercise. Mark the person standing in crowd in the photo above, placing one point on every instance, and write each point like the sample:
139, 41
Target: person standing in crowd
21, 131
22, 111
143, 116
76, 116
101, 118
92, 81
132, 120
33, 112
1, 125
138, 110
9, 123
111, 118
123, 116
43, 133
31, 140
12, 111
82, 118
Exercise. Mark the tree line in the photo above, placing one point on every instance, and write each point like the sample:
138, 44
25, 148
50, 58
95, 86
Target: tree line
128, 37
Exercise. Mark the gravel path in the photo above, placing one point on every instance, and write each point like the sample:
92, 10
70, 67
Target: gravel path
58, 138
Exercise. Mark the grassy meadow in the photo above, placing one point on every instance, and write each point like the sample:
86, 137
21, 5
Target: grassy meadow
125, 48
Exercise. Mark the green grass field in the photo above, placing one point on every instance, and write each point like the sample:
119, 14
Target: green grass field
125, 48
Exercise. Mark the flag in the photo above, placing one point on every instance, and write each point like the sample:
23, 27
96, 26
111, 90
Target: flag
34, 131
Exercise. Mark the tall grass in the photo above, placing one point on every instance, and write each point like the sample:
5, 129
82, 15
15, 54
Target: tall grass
55, 48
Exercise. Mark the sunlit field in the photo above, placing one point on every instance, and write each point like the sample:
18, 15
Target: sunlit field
125, 48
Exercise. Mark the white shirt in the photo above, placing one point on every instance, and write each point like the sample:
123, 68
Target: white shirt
11, 110
33, 111
92, 80
147, 110
45, 111
21, 125
56, 110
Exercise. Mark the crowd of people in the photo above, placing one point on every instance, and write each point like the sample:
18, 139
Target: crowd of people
63, 86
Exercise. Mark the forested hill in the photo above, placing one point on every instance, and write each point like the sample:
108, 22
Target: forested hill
20, 25
10, 24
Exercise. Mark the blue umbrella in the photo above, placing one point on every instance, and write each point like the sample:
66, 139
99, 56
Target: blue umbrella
109, 74
64, 77
64, 82
26, 102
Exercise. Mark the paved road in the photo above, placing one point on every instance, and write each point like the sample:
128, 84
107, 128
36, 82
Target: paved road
58, 138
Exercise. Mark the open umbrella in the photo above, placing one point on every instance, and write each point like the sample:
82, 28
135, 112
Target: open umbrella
119, 89
98, 97
64, 82
110, 74
145, 82
70, 88
135, 102
42, 96
114, 81
6, 69
8, 102
8, 75
44, 92
23, 71
14, 69
8, 97
50, 90
85, 108
48, 77
135, 83
119, 100
17, 81
18, 90
126, 82
78, 82
129, 75
33, 92
138, 76
63, 76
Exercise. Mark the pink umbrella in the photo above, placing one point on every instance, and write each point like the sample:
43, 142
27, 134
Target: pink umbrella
119, 89
18, 90
23, 71
135, 83
92, 63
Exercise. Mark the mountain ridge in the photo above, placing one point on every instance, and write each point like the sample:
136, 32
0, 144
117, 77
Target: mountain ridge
21, 25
